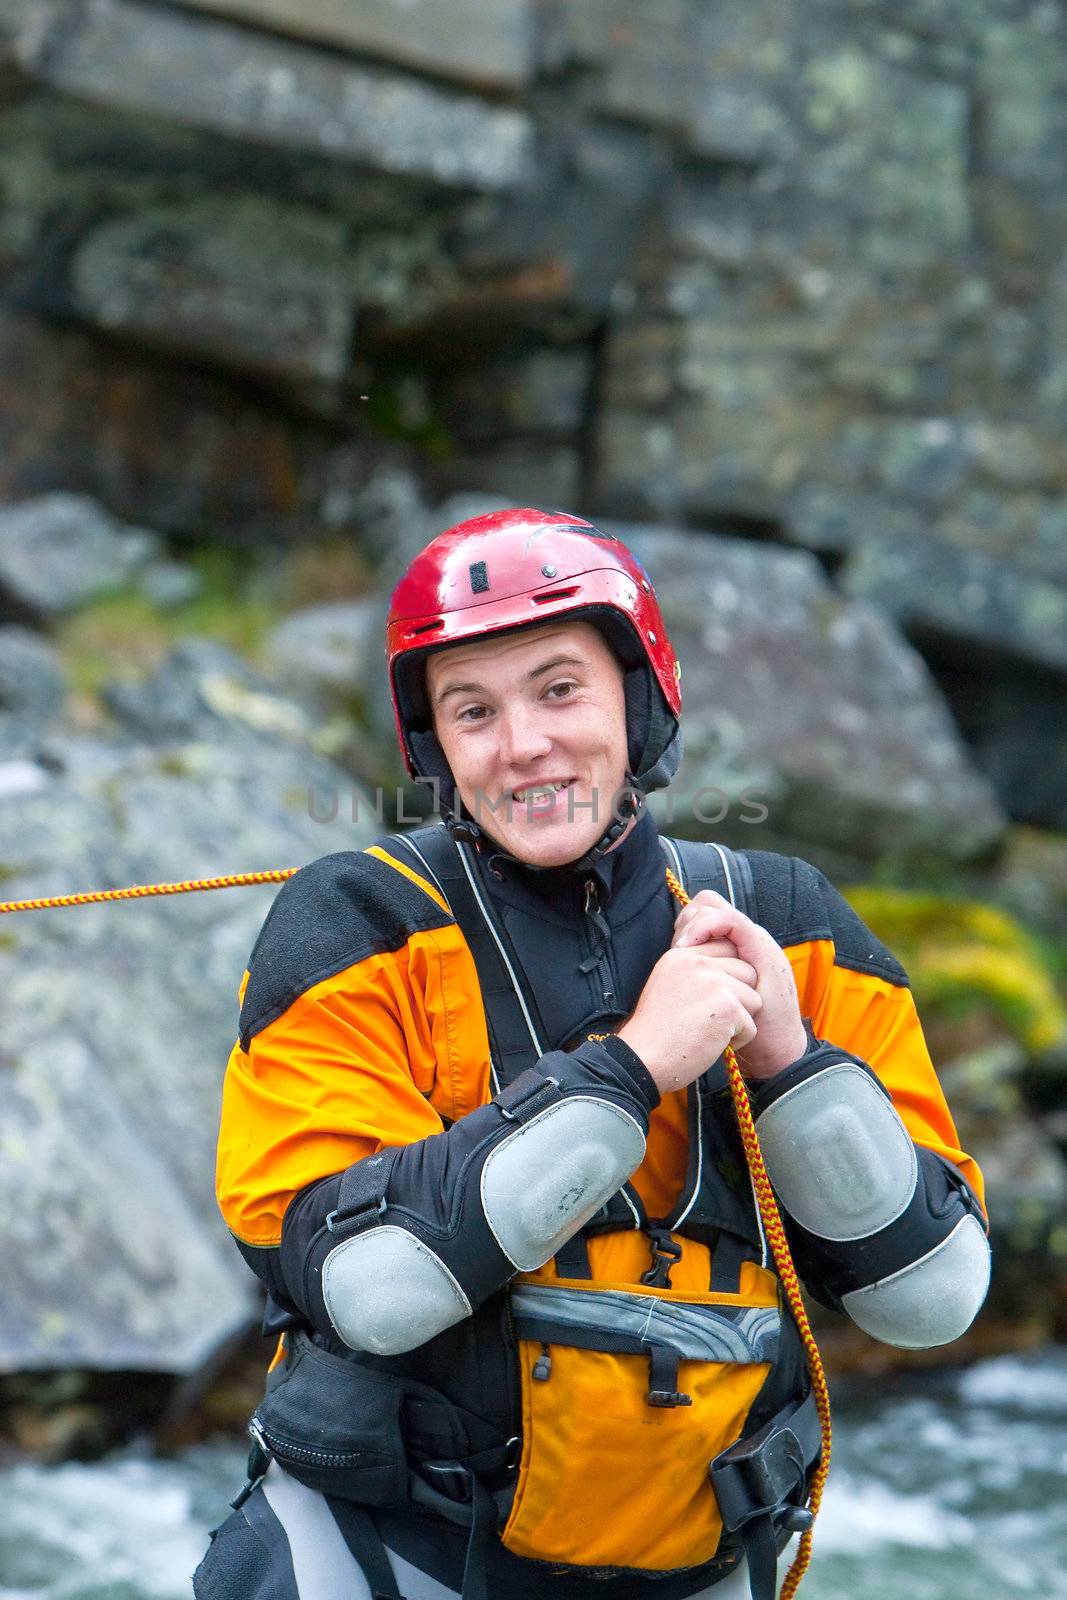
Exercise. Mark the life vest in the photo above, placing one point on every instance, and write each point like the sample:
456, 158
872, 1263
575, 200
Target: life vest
659, 1393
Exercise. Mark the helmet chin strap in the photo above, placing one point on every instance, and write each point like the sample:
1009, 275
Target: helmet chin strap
629, 803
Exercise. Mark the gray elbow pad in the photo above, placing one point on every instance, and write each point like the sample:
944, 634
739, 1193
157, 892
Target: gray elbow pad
841, 1160
387, 1292
896, 1240
932, 1301
552, 1174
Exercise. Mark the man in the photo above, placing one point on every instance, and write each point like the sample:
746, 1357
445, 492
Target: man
476, 1140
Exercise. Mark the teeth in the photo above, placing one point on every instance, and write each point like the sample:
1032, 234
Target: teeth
545, 788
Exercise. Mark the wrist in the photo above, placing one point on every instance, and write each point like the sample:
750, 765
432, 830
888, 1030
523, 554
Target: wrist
760, 1065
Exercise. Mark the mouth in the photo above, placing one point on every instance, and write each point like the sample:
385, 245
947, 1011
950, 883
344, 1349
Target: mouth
542, 795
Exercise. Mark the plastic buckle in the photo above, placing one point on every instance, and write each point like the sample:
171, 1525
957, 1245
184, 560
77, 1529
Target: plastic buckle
667, 1397
756, 1476
666, 1253
361, 1218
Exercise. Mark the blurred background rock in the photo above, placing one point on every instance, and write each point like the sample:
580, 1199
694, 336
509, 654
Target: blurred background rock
778, 292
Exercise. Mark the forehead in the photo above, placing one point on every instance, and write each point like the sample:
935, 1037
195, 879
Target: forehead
514, 652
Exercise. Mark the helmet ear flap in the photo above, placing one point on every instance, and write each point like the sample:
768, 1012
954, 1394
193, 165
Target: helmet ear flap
653, 735
431, 768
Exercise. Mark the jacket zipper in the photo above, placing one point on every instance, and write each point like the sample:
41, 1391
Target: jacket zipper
285, 1451
602, 966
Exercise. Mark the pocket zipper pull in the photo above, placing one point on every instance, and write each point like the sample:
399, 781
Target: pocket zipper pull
542, 1367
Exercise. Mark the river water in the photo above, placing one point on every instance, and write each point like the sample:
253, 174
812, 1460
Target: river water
949, 1486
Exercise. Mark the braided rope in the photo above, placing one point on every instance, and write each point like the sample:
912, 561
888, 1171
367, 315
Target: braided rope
234, 880
783, 1260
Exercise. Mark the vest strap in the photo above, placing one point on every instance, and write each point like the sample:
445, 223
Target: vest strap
361, 1196
514, 1028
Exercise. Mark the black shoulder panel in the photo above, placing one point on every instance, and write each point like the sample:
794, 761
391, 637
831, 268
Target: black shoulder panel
330, 915
796, 903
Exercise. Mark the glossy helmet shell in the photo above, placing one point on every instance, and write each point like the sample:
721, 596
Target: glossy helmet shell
514, 569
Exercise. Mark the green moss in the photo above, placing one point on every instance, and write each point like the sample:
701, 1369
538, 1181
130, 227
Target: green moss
966, 957
126, 635
394, 411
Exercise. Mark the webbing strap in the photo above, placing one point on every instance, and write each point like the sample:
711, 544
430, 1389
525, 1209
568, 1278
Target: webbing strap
361, 1196
701, 866
365, 1543
760, 1480
713, 866
513, 1031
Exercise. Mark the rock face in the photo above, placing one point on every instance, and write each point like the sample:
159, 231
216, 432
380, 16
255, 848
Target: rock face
62, 550
779, 291
805, 717
119, 1018
801, 274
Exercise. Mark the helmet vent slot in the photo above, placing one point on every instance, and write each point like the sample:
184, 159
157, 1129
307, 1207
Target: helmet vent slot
556, 594
428, 627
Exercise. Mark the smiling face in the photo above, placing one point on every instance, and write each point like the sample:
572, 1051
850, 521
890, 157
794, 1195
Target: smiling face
533, 727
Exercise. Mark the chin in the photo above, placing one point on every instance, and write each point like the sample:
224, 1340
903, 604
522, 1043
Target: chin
551, 852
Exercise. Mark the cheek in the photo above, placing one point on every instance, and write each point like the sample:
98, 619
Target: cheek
467, 754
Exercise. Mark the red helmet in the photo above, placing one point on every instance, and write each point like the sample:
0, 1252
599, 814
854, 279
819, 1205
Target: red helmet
514, 569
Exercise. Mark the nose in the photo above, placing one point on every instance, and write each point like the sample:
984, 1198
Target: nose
523, 738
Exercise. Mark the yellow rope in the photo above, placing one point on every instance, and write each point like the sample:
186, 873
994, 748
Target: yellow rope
141, 891
772, 1225
772, 1221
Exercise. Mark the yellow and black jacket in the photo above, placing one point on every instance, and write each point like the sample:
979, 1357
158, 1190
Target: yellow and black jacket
362, 1028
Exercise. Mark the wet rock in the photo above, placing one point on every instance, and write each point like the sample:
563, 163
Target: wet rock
964, 596
526, 471
325, 648
825, 518
805, 715
212, 275
1019, 738
210, 74
888, 147
121, 1019
32, 683
60, 550
482, 42
169, 584
1026, 1179
206, 691
167, 446
718, 76
544, 392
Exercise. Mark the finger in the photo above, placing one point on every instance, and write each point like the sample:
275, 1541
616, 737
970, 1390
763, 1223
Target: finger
697, 934
743, 992
745, 1032
704, 924
752, 943
732, 965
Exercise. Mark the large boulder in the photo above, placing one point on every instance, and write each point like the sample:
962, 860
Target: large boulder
196, 70
119, 1018
963, 596
807, 717
488, 43
61, 550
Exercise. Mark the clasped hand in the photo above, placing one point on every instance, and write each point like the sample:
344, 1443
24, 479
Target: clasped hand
727, 936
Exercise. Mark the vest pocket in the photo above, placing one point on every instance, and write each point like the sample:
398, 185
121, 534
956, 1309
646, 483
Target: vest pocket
335, 1426
628, 1393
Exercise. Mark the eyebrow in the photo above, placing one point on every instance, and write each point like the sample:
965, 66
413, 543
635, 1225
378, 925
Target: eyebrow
546, 666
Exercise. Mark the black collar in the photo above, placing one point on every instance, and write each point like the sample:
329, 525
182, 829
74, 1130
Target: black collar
638, 856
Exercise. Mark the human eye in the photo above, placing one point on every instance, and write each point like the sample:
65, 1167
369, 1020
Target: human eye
471, 714
561, 690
